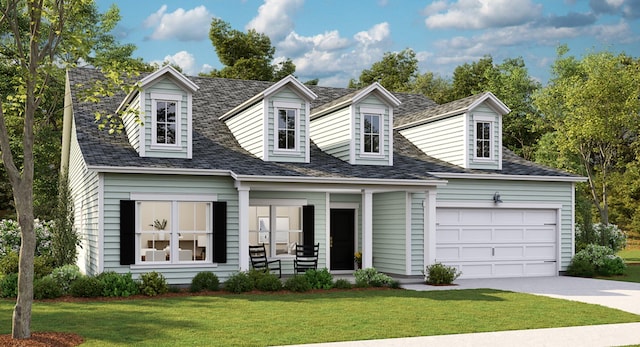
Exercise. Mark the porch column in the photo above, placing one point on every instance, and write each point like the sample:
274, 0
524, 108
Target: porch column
367, 229
429, 226
243, 228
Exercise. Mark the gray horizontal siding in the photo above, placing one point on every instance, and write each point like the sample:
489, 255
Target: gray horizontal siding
442, 139
389, 232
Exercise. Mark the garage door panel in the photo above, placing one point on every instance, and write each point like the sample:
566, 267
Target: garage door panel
494, 242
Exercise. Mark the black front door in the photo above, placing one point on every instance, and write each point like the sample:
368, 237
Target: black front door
342, 245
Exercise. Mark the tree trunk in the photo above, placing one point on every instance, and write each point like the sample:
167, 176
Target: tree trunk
23, 197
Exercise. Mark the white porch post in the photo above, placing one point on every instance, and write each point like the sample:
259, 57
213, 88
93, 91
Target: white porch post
243, 228
429, 227
367, 229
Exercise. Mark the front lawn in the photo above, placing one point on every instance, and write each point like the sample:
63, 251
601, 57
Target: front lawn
630, 255
277, 319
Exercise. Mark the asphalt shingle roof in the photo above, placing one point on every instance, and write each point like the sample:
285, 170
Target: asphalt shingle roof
215, 148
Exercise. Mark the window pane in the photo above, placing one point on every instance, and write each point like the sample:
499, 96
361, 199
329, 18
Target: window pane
282, 139
375, 124
282, 119
375, 141
155, 230
171, 134
161, 112
171, 112
486, 131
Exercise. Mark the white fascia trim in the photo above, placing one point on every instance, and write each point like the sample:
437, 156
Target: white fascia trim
180, 78
100, 223
172, 197
504, 205
298, 86
508, 177
189, 125
384, 93
307, 132
333, 180
265, 130
142, 137
352, 143
159, 171
495, 102
278, 202
391, 149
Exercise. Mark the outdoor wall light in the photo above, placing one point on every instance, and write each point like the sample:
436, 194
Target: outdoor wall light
496, 198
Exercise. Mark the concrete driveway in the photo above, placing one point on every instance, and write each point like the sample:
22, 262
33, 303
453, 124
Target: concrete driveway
624, 296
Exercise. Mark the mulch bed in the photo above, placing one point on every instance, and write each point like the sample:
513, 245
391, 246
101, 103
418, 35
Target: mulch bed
42, 339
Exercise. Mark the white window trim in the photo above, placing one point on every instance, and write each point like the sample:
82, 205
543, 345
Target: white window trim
492, 122
286, 106
273, 203
373, 112
155, 98
174, 199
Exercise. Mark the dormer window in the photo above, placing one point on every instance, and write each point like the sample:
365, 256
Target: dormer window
483, 139
287, 124
165, 121
371, 133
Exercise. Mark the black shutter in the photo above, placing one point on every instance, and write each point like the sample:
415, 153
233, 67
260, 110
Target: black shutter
308, 225
127, 232
219, 232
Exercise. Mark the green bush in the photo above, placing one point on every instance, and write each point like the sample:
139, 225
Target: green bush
115, 284
394, 284
174, 289
9, 263
46, 288
65, 275
297, 283
42, 266
341, 283
370, 277
86, 287
204, 281
319, 279
608, 235
439, 273
153, 283
269, 283
10, 237
9, 285
613, 265
239, 282
581, 267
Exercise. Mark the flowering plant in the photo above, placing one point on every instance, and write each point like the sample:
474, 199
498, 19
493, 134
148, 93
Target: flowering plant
357, 257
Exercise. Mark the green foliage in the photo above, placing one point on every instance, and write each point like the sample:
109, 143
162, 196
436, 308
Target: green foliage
115, 284
205, 280
239, 282
42, 266
153, 283
268, 283
10, 237
602, 259
319, 279
342, 283
439, 273
64, 239
9, 285
370, 277
9, 263
298, 284
86, 287
601, 234
65, 276
46, 288
246, 55
396, 72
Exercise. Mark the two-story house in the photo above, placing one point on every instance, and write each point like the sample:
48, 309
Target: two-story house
206, 167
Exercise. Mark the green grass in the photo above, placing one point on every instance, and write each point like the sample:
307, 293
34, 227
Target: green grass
631, 274
275, 319
630, 255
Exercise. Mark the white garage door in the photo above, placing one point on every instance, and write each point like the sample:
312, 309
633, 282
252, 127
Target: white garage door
485, 242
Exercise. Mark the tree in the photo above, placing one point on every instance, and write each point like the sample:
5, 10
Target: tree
246, 55
470, 79
37, 37
593, 106
433, 86
396, 72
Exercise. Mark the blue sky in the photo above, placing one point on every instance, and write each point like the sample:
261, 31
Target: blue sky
334, 40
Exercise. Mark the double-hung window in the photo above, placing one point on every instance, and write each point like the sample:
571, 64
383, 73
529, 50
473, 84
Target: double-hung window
173, 231
483, 140
371, 133
165, 119
287, 125
277, 225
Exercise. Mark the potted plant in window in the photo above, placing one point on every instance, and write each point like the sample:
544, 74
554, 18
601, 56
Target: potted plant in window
159, 225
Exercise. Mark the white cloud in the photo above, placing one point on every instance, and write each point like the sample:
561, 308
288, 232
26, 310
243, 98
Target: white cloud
295, 44
191, 25
185, 60
481, 14
275, 18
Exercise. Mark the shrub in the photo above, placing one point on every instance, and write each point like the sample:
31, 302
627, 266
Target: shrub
439, 273
600, 234
204, 281
341, 283
394, 284
269, 283
64, 276
10, 237
581, 267
46, 288
9, 263
174, 289
115, 284
86, 287
64, 238
319, 279
601, 258
613, 265
297, 283
42, 266
370, 277
9, 286
153, 283
239, 282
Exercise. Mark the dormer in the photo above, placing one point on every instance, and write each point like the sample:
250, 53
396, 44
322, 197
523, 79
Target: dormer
274, 125
465, 132
358, 127
157, 115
